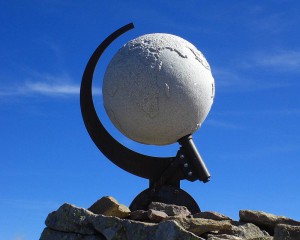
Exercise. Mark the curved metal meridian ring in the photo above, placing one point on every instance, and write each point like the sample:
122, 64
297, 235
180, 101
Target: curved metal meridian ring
133, 162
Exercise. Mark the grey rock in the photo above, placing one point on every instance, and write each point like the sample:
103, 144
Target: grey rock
109, 206
248, 231
211, 215
170, 230
200, 226
121, 229
69, 218
287, 232
139, 215
73, 223
170, 209
49, 234
223, 237
262, 238
265, 220
156, 216
233, 237
113, 227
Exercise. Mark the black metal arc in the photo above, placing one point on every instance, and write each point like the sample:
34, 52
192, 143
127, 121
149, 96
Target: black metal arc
133, 162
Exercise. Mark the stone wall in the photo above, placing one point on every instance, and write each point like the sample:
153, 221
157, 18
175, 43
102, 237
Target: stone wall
108, 220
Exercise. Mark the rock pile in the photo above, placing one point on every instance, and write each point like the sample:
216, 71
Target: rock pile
108, 220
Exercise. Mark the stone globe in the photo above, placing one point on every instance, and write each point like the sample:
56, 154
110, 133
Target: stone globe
157, 89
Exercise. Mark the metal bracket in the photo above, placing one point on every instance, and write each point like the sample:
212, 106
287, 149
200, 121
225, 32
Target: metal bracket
195, 165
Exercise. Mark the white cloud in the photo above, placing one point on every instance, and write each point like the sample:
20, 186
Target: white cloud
233, 81
19, 237
49, 89
264, 152
223, 124
286, 112
226, 78
279, 60
275, 23
47, 85
29, 204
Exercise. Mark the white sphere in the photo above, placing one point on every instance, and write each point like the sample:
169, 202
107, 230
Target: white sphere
157, 89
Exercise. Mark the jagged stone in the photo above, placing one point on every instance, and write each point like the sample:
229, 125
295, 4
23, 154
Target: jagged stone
200, 226
156, 216
265, 220
170, 209
139, 215
247, 231
262, 238
121, 229
223, 237
109, 206
112, 227
232, 237
284, 232
170, 230
49, 234
212, 216
73, 223
69, 218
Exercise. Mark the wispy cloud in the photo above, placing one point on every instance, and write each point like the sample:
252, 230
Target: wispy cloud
49, 89
278, 20
275, 23
28, 204
273, 61
287, 112
223, 124
228, 80
19, 237
279, 60
46, 85
264, 152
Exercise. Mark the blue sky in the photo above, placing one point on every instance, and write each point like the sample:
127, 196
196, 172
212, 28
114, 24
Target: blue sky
249, 141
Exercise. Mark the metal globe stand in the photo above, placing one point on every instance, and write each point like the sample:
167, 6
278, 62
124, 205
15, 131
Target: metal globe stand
164, 174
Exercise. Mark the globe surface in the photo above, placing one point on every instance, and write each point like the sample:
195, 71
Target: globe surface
157, 89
